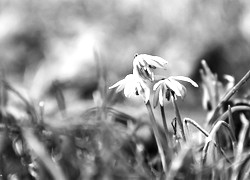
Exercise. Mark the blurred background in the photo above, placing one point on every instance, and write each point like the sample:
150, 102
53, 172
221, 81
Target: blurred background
46, 41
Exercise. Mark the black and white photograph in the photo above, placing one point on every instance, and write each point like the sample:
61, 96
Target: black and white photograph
124, 90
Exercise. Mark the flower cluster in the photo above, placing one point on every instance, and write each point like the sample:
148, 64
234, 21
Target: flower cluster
136, 83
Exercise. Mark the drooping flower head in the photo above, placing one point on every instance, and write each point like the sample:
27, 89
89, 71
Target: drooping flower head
164, 87
143, 65
133, 85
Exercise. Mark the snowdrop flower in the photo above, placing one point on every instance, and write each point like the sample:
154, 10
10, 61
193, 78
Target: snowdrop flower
143, 65
164, 87
133, 85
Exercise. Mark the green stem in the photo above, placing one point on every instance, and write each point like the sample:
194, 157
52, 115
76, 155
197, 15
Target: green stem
178, 117
157, 136
164, 122
168, 135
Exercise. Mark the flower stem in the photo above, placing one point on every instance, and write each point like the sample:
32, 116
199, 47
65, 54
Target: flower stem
178, 117
164, 122
157, 136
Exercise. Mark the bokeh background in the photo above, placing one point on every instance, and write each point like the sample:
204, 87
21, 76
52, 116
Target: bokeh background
46, 41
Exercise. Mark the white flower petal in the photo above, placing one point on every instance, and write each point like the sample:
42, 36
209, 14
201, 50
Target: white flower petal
180, 87
136, 71
175, 97
132, 84
183, 78
230, 82
147, 94
156, 64
138, 61
120, 88
129, 89
161, 96
143, 60
143, 65
183, 91
130, 77
172, 85
144, 91
156, 85
154, 60
119, 83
